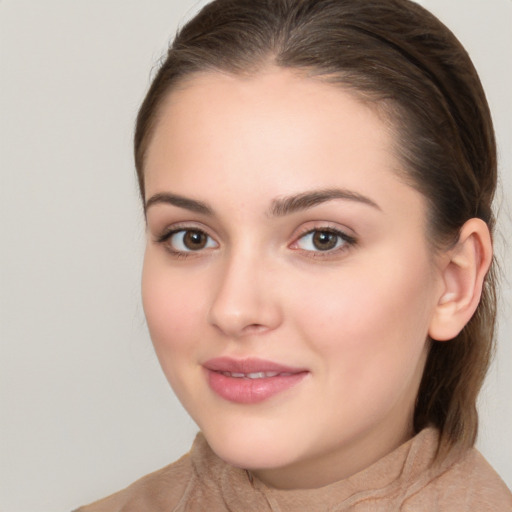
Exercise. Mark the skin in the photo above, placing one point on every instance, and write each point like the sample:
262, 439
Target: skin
356, 317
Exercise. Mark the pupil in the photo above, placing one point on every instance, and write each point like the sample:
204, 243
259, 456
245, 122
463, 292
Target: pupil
323, 240
194, 240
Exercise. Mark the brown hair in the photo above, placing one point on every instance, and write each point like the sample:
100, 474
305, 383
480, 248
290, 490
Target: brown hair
397, 56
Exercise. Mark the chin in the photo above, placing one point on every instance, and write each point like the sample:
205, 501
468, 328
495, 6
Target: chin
251, 450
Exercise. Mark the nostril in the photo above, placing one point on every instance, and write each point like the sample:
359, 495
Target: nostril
254, 328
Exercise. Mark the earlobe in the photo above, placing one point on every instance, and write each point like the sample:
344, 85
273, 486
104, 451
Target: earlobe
463, 274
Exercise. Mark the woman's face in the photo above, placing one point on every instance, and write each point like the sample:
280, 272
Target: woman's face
288, 283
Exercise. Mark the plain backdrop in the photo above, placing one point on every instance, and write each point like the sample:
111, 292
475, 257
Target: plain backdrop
85, 409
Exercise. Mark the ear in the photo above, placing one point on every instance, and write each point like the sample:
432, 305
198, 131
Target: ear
464, 267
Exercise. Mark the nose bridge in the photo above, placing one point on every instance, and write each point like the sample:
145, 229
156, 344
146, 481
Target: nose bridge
243, 301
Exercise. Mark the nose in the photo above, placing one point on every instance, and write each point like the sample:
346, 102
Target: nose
245, 299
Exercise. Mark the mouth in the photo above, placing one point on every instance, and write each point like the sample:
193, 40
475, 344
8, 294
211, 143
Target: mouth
250, 381
254, 375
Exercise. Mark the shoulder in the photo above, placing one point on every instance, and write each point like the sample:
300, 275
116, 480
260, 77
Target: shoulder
158, 491
464, 483
482, 485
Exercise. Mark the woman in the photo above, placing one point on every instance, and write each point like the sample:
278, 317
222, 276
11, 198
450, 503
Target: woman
317, 178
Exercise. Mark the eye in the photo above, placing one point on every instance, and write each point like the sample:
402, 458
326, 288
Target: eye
323, 240
188, 240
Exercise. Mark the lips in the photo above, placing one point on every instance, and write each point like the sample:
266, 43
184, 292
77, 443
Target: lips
250, 381
253, 375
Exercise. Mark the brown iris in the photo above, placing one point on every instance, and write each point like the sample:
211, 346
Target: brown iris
324, 240
195, 240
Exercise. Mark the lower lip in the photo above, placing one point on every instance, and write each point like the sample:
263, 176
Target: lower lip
251, 391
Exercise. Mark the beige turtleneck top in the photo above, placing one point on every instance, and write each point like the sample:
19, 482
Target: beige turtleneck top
405, 480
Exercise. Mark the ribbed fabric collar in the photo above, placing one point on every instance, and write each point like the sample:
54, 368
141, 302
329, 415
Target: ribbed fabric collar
394, 476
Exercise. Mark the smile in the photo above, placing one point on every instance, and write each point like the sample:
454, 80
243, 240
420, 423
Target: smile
254, 375
250, 381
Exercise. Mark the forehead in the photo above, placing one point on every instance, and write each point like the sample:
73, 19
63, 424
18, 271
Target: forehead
273, 134
269, 101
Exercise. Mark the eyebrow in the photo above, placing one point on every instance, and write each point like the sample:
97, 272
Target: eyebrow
279, 207
291, 204
180, 202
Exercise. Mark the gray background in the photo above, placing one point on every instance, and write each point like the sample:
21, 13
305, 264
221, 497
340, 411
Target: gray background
85, 409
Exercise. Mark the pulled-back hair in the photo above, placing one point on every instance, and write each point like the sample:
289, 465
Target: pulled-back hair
401, 60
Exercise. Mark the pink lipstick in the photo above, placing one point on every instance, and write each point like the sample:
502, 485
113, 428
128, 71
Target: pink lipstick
249, 381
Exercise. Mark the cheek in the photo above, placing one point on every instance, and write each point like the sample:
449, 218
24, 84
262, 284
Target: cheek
369, 333
172, 305
366, 318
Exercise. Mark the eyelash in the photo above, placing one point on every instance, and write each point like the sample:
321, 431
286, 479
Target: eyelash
346, 240
165, 237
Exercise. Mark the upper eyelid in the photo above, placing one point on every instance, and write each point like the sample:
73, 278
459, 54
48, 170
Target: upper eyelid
165, 240
299, 232
174, 231
346, 234
338, 232
183, 226
311, 226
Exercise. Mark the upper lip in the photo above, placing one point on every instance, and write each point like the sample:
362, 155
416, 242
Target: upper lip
249, 365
